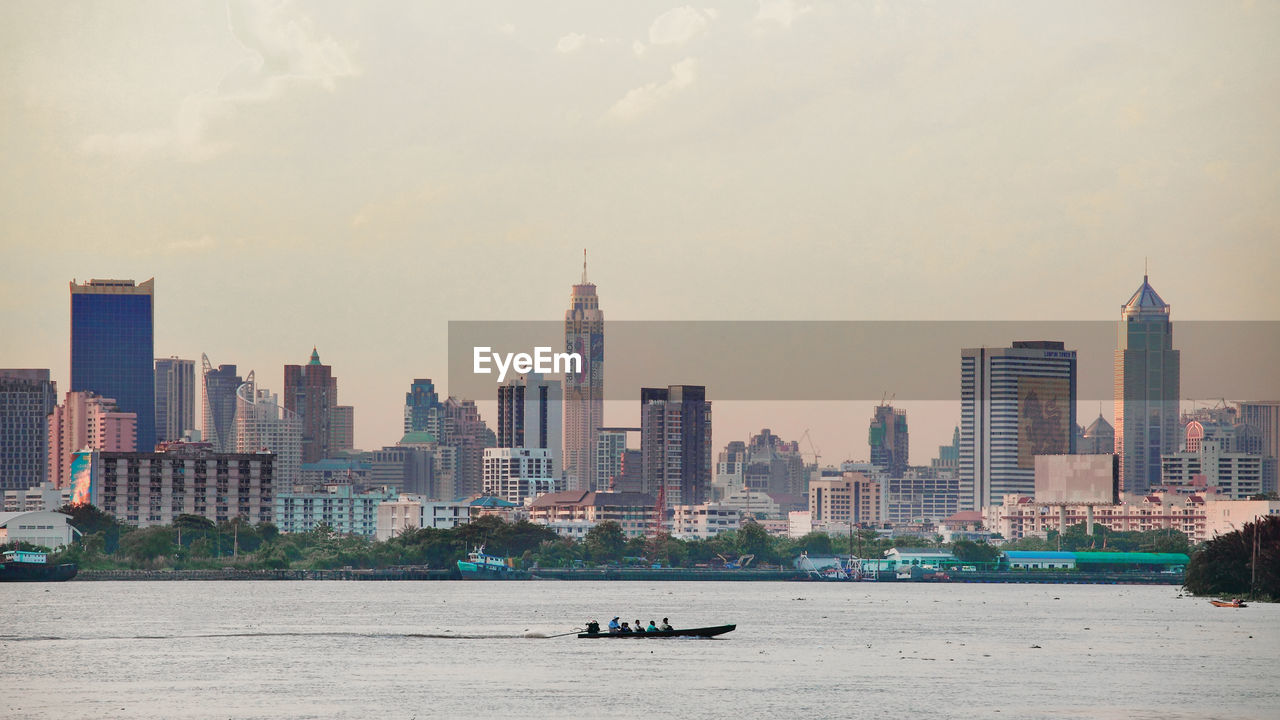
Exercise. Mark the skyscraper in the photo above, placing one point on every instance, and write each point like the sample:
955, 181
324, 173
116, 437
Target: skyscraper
675, 439
26, 399
1015, 403
463, 430
888, 439
311, 391
87, 420
175, 398
1097, 439
529, 416
418, 404
583, 391
113, 347
218, 394
1147, 373
261, 424
1264, 415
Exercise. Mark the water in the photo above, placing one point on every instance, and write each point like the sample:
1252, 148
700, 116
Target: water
458, 649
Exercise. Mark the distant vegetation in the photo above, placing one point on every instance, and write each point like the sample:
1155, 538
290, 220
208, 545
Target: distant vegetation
1244, 563
193, 542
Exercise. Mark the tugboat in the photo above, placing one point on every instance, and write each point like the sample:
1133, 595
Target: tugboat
479, 566
27, 566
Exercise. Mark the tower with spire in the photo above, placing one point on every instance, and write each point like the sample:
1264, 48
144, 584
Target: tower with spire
311, 391
1147, 376
583, 391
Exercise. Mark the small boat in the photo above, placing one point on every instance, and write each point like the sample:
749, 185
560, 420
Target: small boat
27, 566
1234, 603
479, 566
704, 632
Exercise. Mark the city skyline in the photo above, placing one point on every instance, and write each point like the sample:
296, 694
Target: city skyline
445, 225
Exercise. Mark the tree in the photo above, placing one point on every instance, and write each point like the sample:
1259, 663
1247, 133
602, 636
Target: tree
969, 551
753, 539
1241, 562
605, 542
148, 544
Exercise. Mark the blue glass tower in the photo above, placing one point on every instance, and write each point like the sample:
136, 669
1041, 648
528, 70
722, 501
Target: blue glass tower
112, 347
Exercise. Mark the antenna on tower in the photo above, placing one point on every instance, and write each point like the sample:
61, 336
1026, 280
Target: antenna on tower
1146, 266
584, 266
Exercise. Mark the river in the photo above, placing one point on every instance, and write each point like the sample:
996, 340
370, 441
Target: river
463, 649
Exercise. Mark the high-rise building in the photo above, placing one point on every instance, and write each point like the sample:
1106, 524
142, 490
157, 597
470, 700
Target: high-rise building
419, 404
529, 416
1147, 374
175, 398
113, 347
342, 429
675, 439
218, 396
26, 399
1097, 439
311, 391
948, 460
1015, 403
611, 447
888, 439
584, 390
86, 421
517, 474
463, 430
262, 425
1264, 415
771, 465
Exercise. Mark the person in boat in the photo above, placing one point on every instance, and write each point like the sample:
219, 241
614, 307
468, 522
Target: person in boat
639, 627
614, 627
593, 627
666, 625
653, 627
626, 629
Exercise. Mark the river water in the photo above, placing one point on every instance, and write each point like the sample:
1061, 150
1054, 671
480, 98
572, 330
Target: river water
460, 649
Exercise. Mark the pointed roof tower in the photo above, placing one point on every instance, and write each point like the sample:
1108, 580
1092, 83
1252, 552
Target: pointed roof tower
1146, 300
315, 356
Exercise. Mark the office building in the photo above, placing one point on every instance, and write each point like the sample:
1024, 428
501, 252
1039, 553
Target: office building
1264, 415
262, 425
175, 398
917, 499
675, 439
1147, 376
530, 409
311, 391
848, 498
948, 460
86, 421
342, 430
27, 397
462, 429
583, 390
218, 395
1099, 438
1015, 403
1236, 475
888, 439
113, 348
154, 488
612, 445
419, 404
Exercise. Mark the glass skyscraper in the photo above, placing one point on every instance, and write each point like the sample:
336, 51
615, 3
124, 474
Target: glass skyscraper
112, 347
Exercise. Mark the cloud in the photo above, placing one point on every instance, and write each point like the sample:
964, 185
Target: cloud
571, 43
642, 99
680, 25
284, 51
783, 12
638, 48
191, 245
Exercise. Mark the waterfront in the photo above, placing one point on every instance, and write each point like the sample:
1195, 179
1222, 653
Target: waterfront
432, 649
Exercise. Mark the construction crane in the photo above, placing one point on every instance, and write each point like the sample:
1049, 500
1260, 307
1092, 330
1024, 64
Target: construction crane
887, 398
812, 447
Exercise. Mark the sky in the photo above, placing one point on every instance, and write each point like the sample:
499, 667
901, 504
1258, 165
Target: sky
353, 176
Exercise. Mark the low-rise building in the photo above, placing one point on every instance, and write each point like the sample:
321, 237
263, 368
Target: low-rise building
572, 513
699, 522
338, 506
518, 474
411, 512
849, 497
38, 527
154, 488
45, 496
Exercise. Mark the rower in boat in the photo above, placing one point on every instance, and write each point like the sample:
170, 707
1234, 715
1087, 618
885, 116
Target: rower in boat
666, 625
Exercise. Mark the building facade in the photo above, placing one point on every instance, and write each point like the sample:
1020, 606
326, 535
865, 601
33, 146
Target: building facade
419, 404
1147, 377
572, 513
888, 439
27, 397
175, 398
262, 425
341, 507
611, 449
849, 498
311, 391
154, 488
1099, 438
86, 421
1015, 403
518, 474
1236, 475
583, 390
218, 399
1265, 416
916, 500
411, 512
675, 439
700, 522
530, 415
113, 347
463, 430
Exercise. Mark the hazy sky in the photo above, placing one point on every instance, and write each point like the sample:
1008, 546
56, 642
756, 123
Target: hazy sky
354, 175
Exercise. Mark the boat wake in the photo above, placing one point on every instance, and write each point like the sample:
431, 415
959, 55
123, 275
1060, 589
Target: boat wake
376, 635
